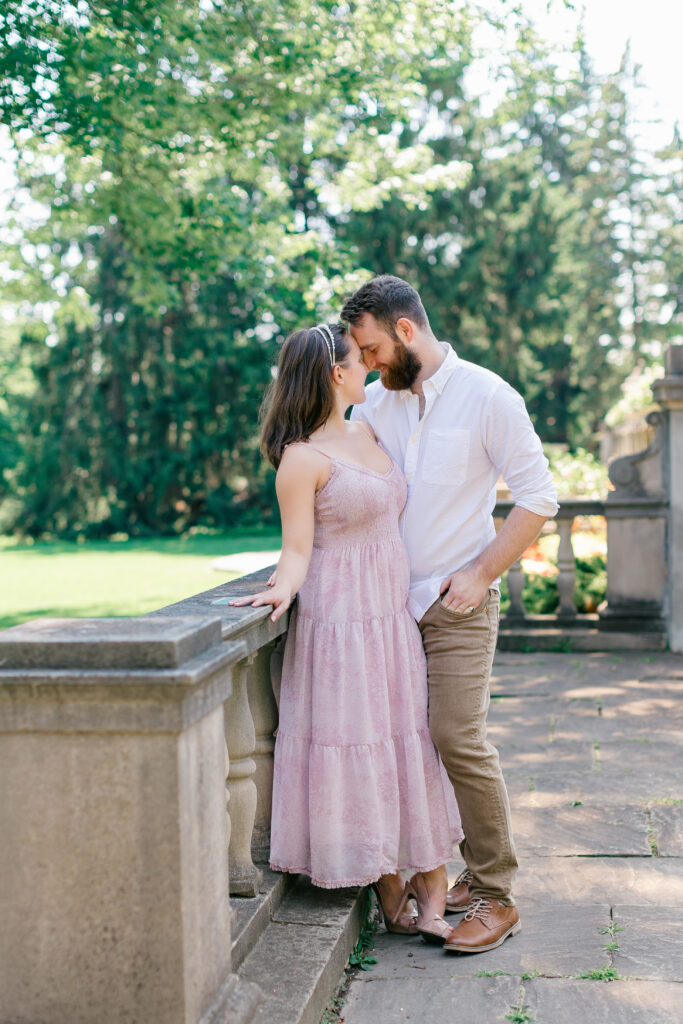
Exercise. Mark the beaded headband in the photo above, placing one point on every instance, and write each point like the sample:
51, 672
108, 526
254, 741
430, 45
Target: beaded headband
328, 338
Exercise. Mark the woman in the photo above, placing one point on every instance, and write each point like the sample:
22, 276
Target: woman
358, 791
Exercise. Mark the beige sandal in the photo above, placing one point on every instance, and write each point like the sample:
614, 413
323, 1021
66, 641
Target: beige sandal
403, 921
435, 929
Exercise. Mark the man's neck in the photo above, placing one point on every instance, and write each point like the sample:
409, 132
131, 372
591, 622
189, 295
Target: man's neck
431, 356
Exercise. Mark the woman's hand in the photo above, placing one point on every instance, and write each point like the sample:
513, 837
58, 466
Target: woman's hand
280, 597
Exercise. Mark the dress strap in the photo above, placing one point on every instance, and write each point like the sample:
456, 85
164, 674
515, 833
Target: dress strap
308, 445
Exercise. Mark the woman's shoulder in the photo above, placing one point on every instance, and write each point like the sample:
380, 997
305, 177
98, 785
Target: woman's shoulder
301, 464
300, 454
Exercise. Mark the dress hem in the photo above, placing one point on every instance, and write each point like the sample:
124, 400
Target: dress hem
347, 883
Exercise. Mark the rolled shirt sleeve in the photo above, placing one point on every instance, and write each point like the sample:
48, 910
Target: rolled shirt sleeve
515, 450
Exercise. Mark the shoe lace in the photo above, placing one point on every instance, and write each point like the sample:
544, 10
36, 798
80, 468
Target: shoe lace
478, 907
464, 876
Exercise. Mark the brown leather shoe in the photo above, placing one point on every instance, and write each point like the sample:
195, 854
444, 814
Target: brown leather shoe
486, 924
458, 896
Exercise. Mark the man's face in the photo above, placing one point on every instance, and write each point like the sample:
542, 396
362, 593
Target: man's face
397, 364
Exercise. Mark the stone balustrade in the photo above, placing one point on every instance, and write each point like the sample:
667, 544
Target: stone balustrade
113, 826
566, 564
250, 721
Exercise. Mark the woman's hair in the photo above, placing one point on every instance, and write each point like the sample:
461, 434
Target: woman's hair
301, 398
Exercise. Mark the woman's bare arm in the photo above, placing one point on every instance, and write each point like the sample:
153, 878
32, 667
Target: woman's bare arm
301, 472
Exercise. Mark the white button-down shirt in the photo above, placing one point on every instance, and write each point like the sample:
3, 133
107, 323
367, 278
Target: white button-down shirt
475, 428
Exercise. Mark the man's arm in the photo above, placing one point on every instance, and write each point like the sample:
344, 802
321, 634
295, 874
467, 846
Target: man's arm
467, 588
516, 452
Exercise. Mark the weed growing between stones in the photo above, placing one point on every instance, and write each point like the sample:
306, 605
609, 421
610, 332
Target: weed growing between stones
651, 834
612, 928
520, 1014
606, 973
359, 960
360, 957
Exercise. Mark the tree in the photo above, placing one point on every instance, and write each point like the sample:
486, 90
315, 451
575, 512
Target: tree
176, 147
528, 265
214, 175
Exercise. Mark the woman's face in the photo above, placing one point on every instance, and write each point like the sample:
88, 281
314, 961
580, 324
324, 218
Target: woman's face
354, 372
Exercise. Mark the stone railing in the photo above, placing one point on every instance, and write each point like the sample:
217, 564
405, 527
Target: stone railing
118, 738
636, 576
250, 720
644, 529
566, 565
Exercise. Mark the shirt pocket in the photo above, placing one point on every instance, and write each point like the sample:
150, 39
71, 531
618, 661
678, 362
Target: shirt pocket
446, 457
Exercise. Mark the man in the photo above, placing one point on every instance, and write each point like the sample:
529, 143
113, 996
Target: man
455, 427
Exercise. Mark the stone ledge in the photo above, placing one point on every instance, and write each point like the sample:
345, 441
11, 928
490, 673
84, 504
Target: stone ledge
138, 642
588, 641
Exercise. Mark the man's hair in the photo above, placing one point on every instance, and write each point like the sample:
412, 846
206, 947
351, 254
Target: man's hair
388, 298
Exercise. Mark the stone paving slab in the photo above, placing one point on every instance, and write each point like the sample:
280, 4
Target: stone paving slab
485, 1001
588, 829
613, 783
552, 943
528, 756
650, 945
572, 881
624, 1002
632, 758
667, 825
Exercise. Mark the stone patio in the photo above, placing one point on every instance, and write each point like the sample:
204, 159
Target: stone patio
592, 749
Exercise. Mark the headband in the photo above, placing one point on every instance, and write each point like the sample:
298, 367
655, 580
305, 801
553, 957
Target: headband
328, 338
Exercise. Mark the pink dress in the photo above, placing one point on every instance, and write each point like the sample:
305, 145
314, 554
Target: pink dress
359, 790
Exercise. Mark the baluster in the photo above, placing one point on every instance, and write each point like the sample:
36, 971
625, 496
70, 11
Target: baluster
264, 713
245, 878
566, 578
515, 580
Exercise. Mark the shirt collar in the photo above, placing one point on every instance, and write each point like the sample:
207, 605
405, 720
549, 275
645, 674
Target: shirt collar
440, 377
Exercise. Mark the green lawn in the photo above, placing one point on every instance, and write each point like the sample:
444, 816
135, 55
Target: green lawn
113, 577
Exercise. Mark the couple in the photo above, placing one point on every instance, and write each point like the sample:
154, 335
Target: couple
389, 543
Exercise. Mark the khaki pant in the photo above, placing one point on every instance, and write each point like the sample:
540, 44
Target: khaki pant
459, 651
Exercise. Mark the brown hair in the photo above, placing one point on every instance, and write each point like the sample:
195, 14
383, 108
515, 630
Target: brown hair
301, 398
388, 298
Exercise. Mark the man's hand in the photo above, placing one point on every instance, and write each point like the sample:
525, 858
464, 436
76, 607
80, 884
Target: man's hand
464, 590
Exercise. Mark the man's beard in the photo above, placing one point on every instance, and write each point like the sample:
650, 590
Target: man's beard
404, 371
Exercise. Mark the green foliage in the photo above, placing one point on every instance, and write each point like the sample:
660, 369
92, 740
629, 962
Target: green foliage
578, 473
361, 957
607, 973
540, 595
520, 1014
205, 176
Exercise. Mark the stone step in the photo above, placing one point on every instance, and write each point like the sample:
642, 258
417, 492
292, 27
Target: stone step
251, 917
300, 955
570, 640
